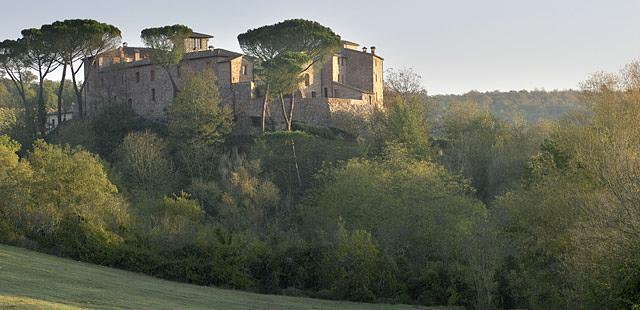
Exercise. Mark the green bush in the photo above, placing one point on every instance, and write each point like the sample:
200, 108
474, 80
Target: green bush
221, 265
84, 240
415, 211
135, 257
352, 265
113, 123
276, 154
144, 162
76, 132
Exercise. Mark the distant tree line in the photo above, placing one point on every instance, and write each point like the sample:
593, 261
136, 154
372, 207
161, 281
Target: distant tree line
531, 106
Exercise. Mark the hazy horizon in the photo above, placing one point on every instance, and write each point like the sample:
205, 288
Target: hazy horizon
456, 46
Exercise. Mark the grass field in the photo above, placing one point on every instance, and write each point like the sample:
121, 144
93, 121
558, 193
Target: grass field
34, 280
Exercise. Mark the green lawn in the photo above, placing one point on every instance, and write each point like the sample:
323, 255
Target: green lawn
35, 281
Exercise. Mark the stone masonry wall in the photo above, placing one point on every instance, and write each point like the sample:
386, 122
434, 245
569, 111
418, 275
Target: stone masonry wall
147, 89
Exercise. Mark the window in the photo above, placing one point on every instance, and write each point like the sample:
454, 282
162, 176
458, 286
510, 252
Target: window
335, 93
195, 44
307, 79
152, 77
153, 94
130, 102
326, 92
313, 94
137, 77
244, 70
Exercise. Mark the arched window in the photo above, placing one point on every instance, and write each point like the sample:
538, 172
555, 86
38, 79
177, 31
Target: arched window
307, 79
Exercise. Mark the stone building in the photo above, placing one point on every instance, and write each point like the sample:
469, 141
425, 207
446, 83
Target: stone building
350, 83
52, 119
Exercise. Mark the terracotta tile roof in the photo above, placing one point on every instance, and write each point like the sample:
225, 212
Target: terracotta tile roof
200, 35
350, 43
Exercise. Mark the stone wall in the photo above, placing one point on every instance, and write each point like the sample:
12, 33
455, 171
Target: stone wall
147, 88
378, 81
366, 73
349, 114
346, 92
341, 113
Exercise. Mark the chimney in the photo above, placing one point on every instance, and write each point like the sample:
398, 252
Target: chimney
124, 44
373, 50
364, 49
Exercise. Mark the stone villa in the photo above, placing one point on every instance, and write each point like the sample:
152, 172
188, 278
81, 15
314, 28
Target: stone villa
349, 83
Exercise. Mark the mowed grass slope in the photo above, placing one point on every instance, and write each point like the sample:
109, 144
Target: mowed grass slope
34, 280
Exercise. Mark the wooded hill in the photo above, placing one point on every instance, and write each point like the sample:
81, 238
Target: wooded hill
533, 106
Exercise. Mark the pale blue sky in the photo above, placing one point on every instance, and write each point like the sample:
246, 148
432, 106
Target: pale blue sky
455, 45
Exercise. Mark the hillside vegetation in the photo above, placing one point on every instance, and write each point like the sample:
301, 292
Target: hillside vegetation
478, 204
532, 106
33, 280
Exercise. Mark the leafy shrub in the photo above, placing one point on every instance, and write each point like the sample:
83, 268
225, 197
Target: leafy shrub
170, 223
85, 240
144, 162
415, 210
113, 123
351, 267
61, 197
219, 265
76, 132
277, 157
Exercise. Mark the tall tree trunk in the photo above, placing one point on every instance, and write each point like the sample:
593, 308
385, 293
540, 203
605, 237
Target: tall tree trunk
18, 83
265, 104
293, 143
77, 91
292, 107
174, 85
60, 90
295, 160
284, 110
42, 110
